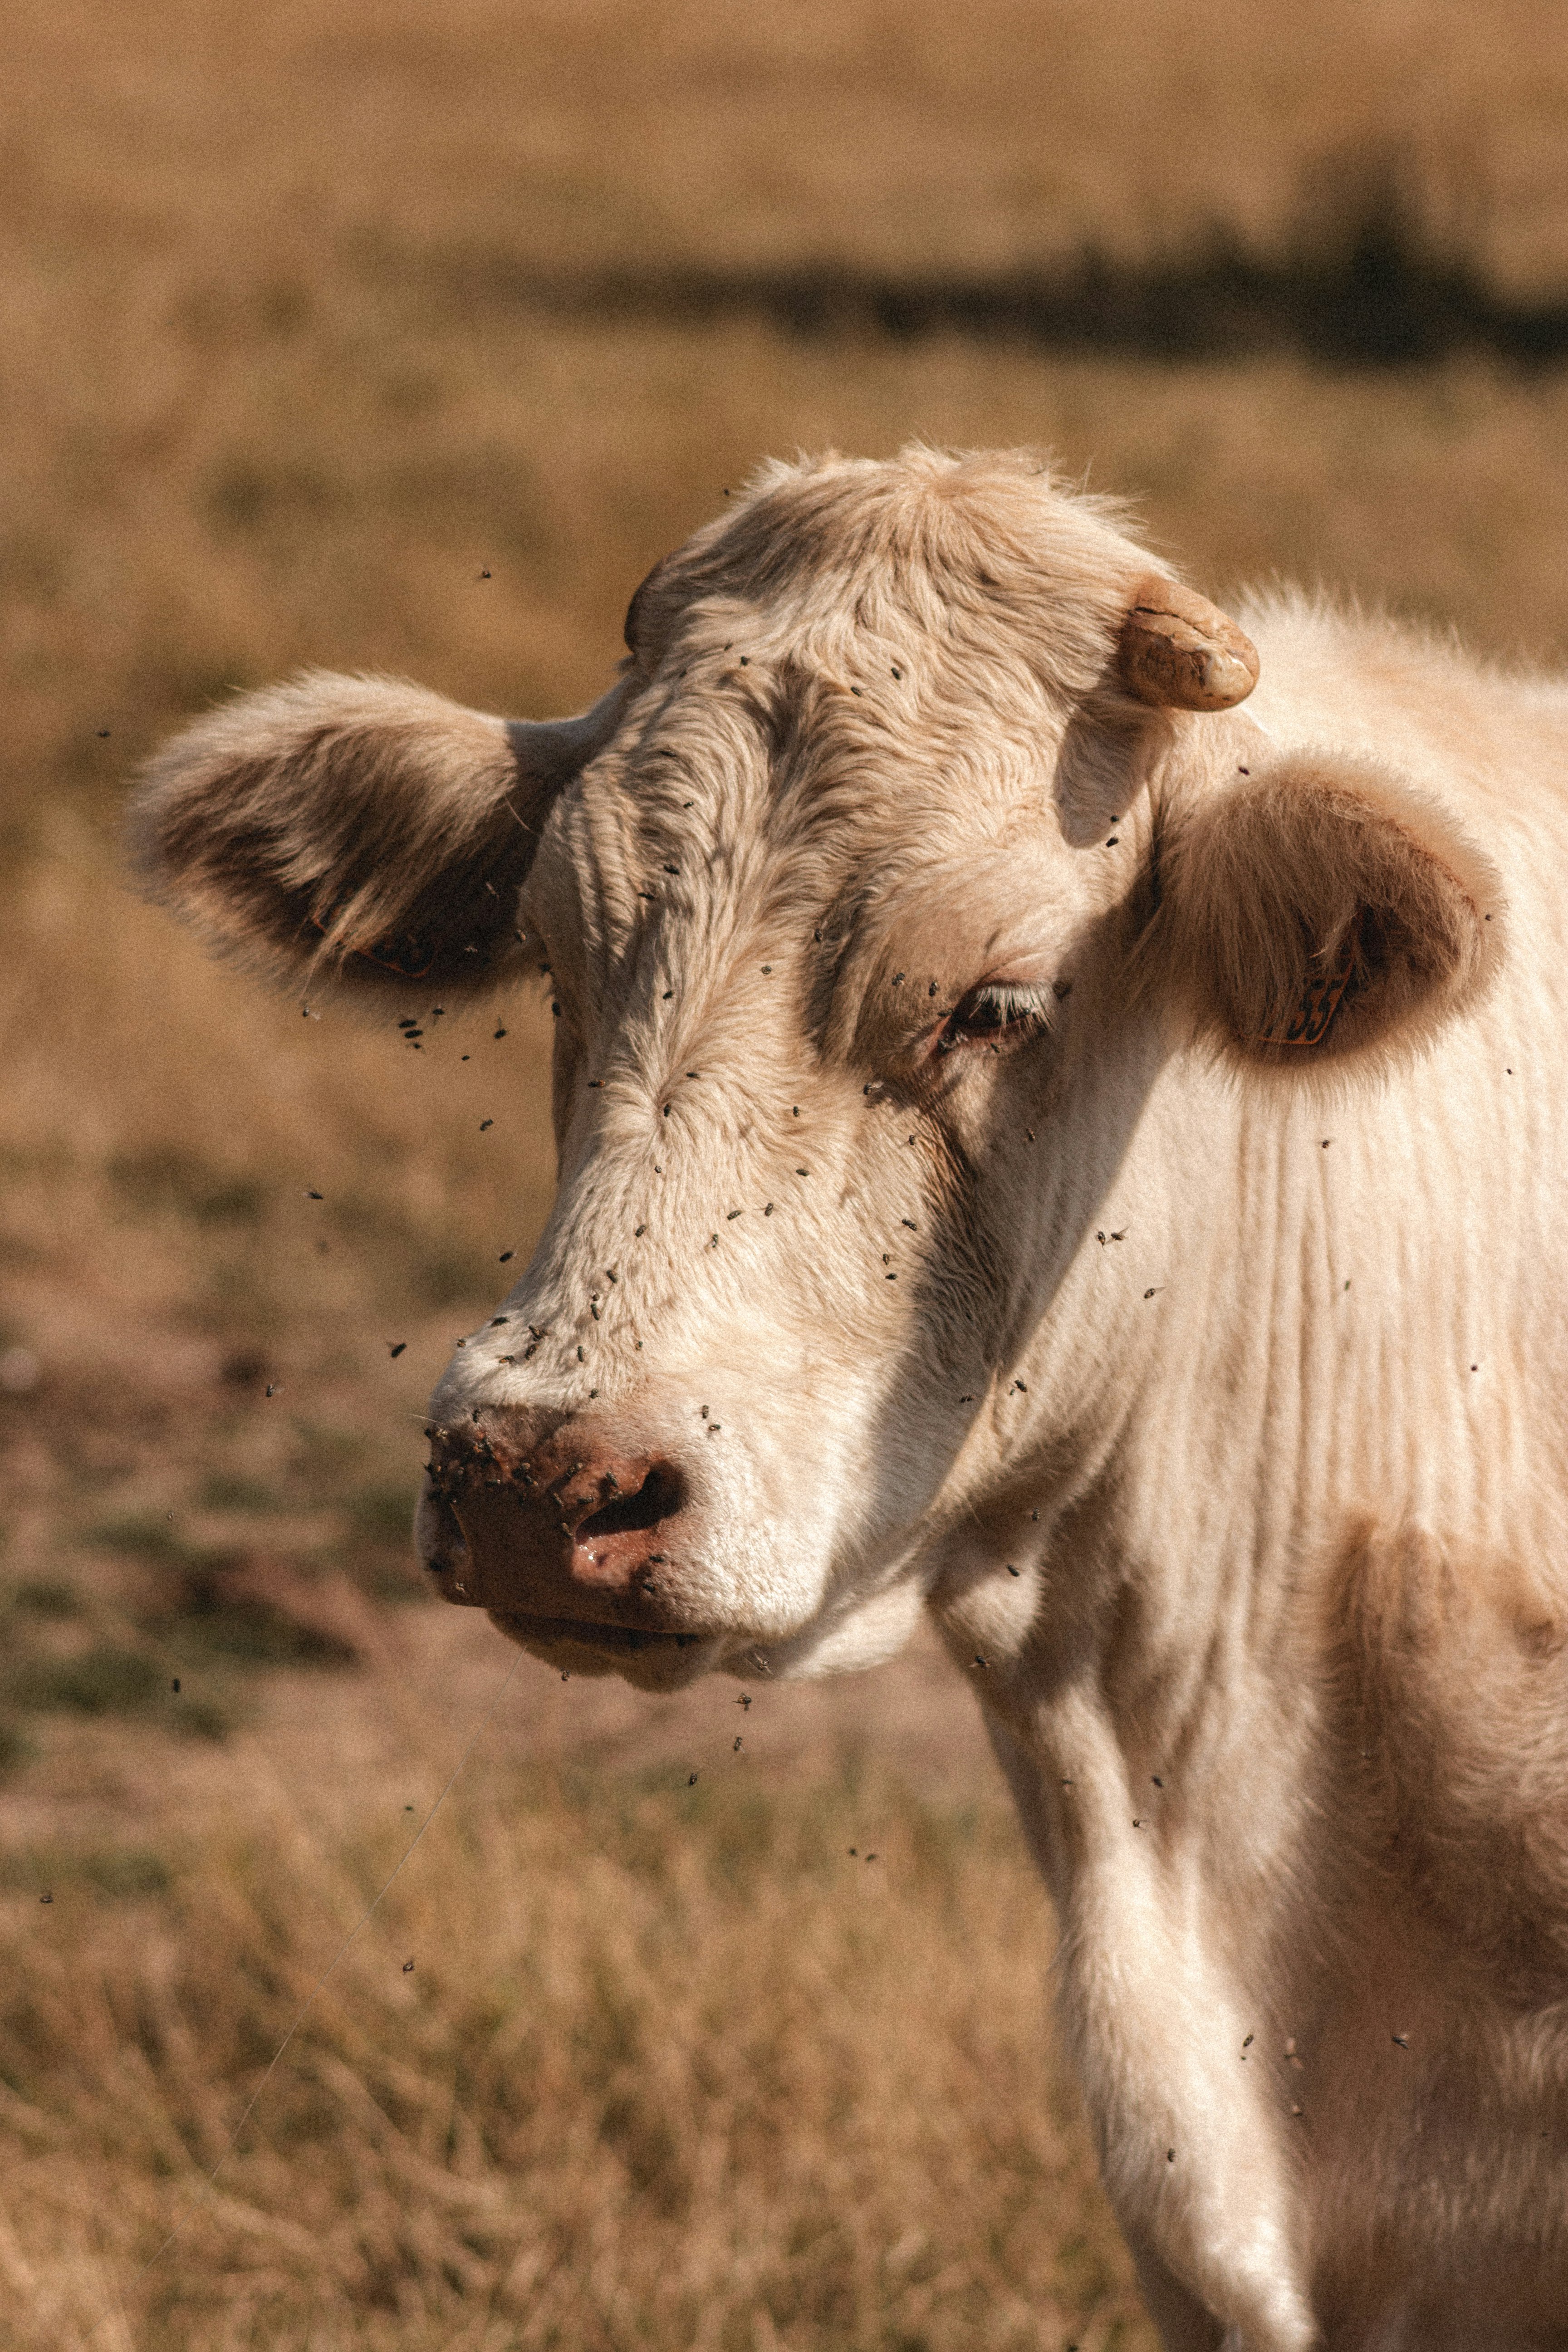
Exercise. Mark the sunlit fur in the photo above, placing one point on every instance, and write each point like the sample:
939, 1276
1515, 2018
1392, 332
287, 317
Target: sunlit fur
1217, 1408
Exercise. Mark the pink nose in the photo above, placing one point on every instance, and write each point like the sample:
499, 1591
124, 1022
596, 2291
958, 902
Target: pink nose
564, 1525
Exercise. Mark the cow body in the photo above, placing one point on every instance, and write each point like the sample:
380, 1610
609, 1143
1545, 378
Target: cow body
948, 1220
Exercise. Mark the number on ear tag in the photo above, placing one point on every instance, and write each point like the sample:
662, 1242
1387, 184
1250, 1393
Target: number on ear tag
1320, 1000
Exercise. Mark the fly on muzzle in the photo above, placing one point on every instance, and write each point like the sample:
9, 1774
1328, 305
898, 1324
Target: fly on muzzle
537, 1517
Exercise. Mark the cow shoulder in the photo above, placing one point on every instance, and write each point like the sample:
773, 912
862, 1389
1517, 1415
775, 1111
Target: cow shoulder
1451, 1668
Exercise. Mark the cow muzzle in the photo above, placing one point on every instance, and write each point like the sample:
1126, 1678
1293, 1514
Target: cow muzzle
570, 1541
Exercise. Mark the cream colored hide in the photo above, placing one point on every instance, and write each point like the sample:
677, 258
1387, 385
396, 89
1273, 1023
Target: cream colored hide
1053, 1138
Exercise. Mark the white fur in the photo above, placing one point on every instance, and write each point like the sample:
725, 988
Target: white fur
1278, 1681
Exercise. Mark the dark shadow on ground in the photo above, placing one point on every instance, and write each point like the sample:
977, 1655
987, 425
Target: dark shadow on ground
1380, 297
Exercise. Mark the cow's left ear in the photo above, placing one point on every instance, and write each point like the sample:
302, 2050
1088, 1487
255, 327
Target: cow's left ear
357, 833
1319, 908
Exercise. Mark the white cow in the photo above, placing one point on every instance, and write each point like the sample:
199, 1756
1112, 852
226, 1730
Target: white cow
1042, 1144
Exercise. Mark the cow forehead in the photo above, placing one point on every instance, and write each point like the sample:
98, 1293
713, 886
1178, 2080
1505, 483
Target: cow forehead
757, 814
850, 610
965, 553
848, 696
832, 758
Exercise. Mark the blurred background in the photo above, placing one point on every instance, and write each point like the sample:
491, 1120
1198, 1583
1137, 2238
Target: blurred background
405, 336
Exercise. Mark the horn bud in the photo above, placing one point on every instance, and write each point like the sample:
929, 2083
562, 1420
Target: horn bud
1179, 652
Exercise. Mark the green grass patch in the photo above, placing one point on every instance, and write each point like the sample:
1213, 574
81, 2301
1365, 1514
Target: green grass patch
47, 1596
105, 1679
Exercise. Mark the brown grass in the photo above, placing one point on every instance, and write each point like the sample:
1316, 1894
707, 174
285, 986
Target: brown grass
550, 133
670, 2069
663, 2073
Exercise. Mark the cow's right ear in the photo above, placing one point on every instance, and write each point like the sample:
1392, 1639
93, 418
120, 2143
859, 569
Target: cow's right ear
356, 831
1319, 908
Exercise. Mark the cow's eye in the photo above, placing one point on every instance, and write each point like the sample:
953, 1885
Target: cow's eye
997, 1015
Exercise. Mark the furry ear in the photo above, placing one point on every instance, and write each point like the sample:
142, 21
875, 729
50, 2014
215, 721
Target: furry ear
1322, 908
357, 831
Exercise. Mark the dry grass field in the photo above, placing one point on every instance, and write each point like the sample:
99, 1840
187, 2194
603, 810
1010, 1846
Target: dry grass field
672, 2067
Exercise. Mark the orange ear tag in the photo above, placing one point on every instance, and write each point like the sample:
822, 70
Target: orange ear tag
1321, 999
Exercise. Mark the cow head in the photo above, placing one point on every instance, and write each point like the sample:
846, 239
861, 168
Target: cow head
920, 834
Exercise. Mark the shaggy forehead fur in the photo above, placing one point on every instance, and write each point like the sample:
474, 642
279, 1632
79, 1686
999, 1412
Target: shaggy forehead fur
1017, 585
858, 680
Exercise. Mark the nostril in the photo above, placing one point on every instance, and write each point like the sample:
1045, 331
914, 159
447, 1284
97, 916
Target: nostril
660, 1496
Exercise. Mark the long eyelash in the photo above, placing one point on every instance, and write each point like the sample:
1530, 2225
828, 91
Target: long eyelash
1018, 1010
1015, 1003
